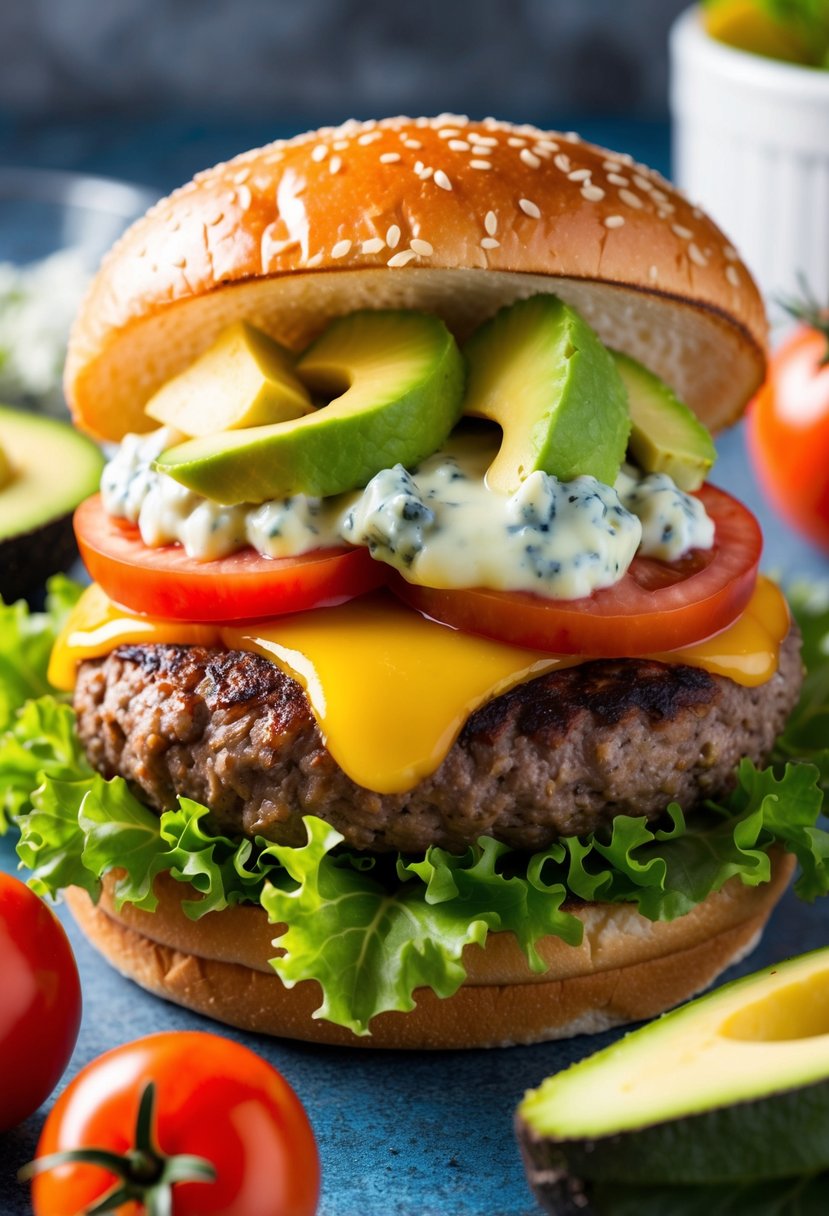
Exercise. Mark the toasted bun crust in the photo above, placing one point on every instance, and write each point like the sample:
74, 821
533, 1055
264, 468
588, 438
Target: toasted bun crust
626, 969
450, 216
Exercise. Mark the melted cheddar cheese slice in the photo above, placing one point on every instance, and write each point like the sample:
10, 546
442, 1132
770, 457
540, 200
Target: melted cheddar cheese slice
389, 688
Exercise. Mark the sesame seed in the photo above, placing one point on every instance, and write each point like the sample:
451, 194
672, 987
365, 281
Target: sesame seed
491, 223
241, 176
529, 208
579, 175
696, 255
642, 183
529, 158
544, 153
653, 273
458, 145
335, 164
315, 260
631, 199
614, 221
393, 236
480, 164
486, 141
320, 152
660, 196
425, 173
489, 242
341, 249
373, 245
684, 234
369, 137
732, 276
442, 180
340, 145
422, 248
612, 166
389, 158
730, 253
479, 150
418, 166
665, 210
244, 197
401, 259
562, 162
593, 194
514, 142
448, 133
549, 145
412, 143
616, 179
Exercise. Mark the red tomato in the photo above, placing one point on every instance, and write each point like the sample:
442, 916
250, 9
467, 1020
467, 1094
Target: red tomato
167, 583
788, 433
215, 1100
657, 606
40, 1001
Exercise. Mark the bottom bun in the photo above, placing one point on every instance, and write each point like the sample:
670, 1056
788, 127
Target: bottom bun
626, 969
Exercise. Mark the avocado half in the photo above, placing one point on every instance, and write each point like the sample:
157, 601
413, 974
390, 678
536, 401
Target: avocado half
730, 1089
46, 470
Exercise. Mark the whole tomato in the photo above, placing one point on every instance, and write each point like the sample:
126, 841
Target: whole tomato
184, 1123
40, 1001
788, 429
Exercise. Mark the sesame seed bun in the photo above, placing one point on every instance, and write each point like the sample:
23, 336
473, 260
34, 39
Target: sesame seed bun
446, 215
627, 968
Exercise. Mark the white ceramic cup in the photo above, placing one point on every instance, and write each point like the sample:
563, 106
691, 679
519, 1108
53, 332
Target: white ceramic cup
751, 144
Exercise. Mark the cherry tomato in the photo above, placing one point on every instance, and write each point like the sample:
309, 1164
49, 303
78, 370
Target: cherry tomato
788, 433
40, 1001
214, 1100
657, 606
167, 583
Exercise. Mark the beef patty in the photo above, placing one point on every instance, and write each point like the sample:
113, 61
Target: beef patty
558, 756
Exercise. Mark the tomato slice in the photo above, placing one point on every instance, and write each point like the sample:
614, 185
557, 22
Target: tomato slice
657, 606
166, 583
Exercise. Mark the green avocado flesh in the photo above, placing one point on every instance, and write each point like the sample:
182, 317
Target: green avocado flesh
665, 436
396, 382
733, 1087
243, 379
541, 373
51, 469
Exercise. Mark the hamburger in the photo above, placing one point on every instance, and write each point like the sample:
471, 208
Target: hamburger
413, 732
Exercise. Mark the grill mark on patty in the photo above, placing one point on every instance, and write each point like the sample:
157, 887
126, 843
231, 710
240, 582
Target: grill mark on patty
546, 707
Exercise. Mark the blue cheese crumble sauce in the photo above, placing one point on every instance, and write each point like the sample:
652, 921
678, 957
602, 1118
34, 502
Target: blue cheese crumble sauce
440, 525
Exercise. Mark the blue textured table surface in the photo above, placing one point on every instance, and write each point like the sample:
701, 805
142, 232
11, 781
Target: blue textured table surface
399, 1134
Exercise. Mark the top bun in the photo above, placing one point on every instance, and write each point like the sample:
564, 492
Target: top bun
443, 214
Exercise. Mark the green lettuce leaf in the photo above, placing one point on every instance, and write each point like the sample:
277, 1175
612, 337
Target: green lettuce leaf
372, 930
26, 642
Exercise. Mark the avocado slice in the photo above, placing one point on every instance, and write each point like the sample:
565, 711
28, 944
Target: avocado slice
244, 379
539, 371
730, 1088
666, 436
396, 383
50, 469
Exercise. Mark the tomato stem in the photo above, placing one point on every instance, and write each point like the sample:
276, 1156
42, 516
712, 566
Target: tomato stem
805, 308
145, 1174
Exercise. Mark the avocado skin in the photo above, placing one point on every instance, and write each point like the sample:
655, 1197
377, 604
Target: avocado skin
27, 560
780, 1135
